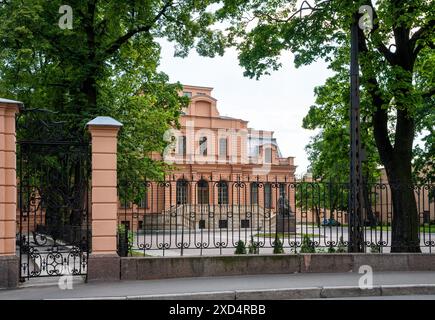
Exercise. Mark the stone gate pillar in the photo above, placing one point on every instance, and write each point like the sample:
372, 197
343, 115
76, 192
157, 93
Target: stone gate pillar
9, 261
104, 262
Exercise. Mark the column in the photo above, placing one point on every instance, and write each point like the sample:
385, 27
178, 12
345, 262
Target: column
104, 262
9, 262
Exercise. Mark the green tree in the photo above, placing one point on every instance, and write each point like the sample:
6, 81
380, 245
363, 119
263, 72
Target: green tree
328, 151
397, 80
321, 196
105, 65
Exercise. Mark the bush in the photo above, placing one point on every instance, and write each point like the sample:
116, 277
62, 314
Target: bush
125, 241
240, 248
341, 246
331, 249
374, 248
254, 247
277, 246
307, 245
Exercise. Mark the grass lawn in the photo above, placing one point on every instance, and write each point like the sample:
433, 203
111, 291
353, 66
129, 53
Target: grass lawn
138, 254
423, 229
311, 224
285, 235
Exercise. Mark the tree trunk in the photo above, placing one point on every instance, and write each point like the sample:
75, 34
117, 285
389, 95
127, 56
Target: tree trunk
405, 222
373, 221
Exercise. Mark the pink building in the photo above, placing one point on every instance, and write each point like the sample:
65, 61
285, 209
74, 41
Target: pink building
221, 165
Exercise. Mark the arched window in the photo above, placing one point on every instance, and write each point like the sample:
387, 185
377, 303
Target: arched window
202, 192
222, 192
203, 146
181, 193
267, 195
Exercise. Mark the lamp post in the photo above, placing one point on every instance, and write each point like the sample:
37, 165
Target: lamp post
356, 234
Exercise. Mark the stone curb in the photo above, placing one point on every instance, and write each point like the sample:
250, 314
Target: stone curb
285, 293
219, 295
389, 290
279, 294
350, 291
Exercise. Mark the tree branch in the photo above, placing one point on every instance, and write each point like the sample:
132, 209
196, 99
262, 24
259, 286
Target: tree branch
429, 93
388, 55
420, 34
305, 5
146, 28
380, 115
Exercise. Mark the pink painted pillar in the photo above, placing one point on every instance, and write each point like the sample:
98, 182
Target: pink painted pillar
104, 262
9, 267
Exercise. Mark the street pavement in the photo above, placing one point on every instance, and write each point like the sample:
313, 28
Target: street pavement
405, 297
125, 289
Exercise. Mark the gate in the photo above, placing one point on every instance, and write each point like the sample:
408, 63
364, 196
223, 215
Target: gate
53, 232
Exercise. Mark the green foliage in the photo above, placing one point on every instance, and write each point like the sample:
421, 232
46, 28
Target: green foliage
307, 245
331, 249
105, 66
375, 248
396, 86
317, 196
254, 246
240, 247
126, 235
277, 246
341, 246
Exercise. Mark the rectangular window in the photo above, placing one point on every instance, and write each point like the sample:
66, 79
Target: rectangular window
201, 224
203, 146
268, 155
254, 193
187, 94
223, 224
182, 146
244, 223
282, 191
144, 201
223, 147
267, 196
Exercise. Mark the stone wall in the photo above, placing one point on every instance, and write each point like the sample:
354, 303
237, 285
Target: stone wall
147, 268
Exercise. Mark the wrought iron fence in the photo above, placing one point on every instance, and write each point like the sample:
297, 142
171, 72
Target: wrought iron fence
205, 216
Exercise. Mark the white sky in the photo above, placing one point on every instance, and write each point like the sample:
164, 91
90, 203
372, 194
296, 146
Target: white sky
277, 102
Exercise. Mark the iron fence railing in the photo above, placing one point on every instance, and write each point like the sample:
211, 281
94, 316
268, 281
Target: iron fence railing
211, 216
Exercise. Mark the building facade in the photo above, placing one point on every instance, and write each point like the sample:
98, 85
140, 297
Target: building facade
221, 167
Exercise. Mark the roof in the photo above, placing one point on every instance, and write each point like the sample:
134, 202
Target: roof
7, 101
199, 87
104, 121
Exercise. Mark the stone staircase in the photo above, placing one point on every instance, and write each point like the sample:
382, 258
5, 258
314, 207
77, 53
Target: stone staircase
213, 217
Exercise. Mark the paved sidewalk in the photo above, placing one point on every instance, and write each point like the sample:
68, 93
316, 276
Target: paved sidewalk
260, 283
